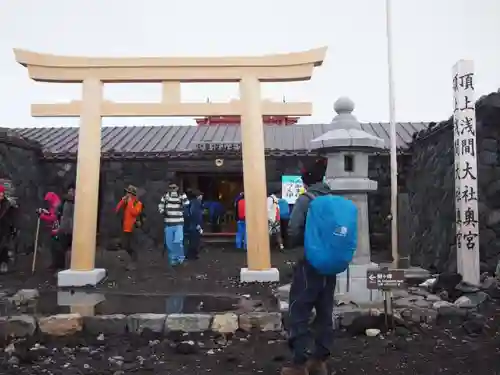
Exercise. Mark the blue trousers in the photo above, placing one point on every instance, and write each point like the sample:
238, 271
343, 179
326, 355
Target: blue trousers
241, 234
310, 289
174, 243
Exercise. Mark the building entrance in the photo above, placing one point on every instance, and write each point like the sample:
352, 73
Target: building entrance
219, 192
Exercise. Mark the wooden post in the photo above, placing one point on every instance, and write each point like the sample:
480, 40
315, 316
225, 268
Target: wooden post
87, 177
466, 191
254, 175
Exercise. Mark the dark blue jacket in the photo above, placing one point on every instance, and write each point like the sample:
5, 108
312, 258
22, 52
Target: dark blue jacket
196, 214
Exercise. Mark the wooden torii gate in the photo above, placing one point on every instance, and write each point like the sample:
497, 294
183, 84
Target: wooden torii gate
93, 72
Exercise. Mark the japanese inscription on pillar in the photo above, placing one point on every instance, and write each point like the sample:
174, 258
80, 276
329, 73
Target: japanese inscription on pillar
465, 152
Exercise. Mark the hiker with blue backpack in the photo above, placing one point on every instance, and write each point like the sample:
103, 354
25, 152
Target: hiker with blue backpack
326, 226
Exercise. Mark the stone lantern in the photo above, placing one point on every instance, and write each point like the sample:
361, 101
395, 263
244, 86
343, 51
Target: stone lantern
347, 148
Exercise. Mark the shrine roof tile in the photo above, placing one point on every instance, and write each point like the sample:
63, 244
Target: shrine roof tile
184, 139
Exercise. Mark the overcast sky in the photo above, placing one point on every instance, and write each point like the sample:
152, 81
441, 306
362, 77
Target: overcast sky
429, 37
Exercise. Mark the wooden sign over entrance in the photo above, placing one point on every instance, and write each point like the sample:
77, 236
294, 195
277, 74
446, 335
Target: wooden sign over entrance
93, 72
218, 146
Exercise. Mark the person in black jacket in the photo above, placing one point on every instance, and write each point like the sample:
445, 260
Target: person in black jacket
309, 290
195, 224
7, 228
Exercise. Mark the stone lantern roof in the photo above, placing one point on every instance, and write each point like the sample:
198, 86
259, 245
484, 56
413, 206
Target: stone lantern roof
348, 132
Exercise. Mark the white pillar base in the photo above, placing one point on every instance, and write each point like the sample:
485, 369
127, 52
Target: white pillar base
68, 278
271, 275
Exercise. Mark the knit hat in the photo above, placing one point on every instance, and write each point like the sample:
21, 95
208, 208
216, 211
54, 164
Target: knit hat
314, 173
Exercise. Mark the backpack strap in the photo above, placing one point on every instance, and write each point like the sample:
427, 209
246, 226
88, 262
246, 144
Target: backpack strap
309, 195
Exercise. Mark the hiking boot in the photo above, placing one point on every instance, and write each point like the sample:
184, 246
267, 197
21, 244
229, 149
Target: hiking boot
317, 367
295, 370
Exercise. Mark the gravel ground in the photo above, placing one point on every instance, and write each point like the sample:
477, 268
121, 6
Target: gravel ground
445, 349
216, 272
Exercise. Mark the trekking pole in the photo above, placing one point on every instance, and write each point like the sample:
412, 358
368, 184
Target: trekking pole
36, 245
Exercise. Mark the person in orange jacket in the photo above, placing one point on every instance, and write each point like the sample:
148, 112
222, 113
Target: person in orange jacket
131, 209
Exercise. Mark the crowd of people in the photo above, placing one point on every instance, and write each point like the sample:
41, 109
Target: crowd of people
323, 224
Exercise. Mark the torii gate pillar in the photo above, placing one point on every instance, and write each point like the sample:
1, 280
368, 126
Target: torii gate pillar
249, 72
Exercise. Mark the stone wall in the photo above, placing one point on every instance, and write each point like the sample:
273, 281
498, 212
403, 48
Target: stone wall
20, 163
152, 176
430, 185
379, 202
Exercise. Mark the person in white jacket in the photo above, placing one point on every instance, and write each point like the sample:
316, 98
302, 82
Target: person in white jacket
273, 219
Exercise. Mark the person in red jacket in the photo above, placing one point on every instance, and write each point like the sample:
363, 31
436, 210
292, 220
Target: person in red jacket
241, 237
50, 215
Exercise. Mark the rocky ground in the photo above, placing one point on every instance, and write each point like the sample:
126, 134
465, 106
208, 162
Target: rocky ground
447, 348
216, 272
445, 327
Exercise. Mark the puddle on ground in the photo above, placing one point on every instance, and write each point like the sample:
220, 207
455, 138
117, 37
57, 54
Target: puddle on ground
87, 303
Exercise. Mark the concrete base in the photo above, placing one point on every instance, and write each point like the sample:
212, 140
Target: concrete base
68, 278
78, 298
351, 285
271, 275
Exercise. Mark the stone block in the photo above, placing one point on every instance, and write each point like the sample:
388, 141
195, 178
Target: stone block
225, 323
137, 323
283, 292
410, 302
263, 321
419, 314
24, 296
108, 324
188, 322
17, 326
471, 300
61, 324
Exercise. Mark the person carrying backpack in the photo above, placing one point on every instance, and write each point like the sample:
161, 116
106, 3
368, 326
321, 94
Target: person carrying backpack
7, 226
131, 208
326, 226
50, 216
273, 219
195, 223
241, 230
65, 214
284, 217
172, 206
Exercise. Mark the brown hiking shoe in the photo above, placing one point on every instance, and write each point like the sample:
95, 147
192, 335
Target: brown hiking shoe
317, 367
294, 370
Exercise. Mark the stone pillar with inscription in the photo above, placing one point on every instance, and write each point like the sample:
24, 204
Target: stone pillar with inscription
466, 193
347, 148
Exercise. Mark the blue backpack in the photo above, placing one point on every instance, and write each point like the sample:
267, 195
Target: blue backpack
331, 233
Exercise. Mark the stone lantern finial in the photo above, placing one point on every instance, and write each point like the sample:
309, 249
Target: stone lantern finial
344, 118
343, 105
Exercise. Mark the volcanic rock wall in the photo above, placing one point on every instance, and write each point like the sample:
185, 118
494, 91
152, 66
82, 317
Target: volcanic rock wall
20, 165
430, 184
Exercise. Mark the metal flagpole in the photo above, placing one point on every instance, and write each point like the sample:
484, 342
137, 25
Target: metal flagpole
394, 161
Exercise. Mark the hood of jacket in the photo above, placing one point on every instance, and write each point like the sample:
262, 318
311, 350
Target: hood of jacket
52, 198
319, 188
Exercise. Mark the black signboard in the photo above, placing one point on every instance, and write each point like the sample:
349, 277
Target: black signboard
218, 146
385, 278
